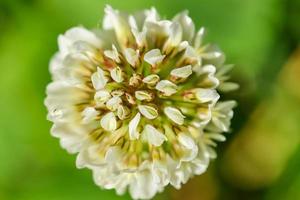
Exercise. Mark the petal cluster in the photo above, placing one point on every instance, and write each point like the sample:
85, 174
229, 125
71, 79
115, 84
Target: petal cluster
139, 101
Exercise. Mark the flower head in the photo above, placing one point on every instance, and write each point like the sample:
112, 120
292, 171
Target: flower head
139, 100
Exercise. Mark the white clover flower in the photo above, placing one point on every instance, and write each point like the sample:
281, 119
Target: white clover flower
139, 100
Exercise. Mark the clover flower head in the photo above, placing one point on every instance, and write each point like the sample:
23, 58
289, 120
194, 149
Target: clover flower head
139, 100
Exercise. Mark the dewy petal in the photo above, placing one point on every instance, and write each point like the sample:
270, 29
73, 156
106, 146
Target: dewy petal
112, 54
154, 136
148, 111
132, 56
206, 95
102, 96
133, 124
151, 79
114, 103
108, 122
166, 87
182, 72
89, 114
174, 114
153, 57
98, 79
116, 74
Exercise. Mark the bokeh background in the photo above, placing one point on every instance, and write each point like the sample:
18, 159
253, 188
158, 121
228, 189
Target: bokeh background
259, 160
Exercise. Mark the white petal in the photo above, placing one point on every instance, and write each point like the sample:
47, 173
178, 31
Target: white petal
153, 57
151, 79
225, 106
143, 95
133, 124
183, 45
199, 38
216, 136
132, 56
175, 35
191, 54
132, 22
220, 124
123, 112
113, 154
182, 72
154, 136
189, 144
89, 114
187, 25
102, 96
114, 103
148, 111
114, 20
200, 165
222, 71
108, 122
228, 87
186, 141
167, 87
98, 79
206, 95
151, 15
116, 74
206, 69
204, 114
143, 187
211, 55
112, 54
76, 34
210, 81
140, 37
175, 115
89, 156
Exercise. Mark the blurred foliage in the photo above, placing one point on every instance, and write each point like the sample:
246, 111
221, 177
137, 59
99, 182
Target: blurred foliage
258, 36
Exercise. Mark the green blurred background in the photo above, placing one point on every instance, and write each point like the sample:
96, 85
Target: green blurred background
260, 159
